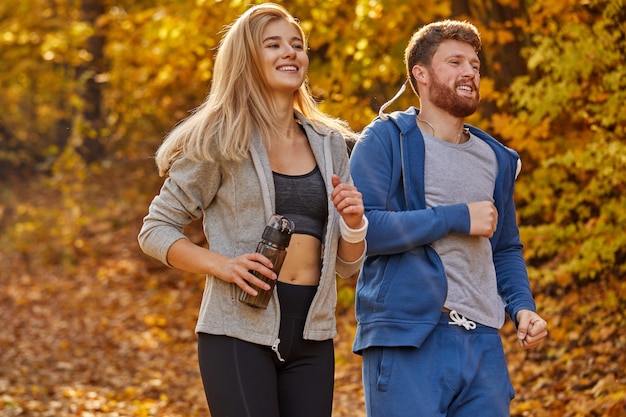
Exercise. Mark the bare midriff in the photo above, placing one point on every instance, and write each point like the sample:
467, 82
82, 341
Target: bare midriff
302, 264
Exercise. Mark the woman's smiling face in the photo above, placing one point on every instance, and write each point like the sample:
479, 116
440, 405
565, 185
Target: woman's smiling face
284, 58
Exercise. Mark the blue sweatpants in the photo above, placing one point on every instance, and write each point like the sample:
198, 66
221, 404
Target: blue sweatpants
455, 373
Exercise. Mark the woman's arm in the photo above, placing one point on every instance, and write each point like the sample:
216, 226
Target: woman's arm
189, 257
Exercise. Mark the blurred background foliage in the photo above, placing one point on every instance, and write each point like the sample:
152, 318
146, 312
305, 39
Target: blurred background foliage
93, 85
89, 88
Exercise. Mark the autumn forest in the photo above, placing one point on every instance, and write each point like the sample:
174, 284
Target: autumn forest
93, 327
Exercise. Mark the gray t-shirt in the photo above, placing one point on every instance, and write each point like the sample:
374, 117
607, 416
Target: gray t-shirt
456, 174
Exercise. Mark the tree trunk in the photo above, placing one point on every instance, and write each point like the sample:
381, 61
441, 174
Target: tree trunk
90, 91
501, 61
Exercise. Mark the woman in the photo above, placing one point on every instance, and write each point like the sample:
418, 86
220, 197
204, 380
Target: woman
259, 145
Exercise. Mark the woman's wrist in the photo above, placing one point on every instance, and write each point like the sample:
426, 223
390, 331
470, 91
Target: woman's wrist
351, 235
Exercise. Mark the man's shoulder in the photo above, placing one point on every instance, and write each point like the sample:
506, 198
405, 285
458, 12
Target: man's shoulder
403, 121
493, 142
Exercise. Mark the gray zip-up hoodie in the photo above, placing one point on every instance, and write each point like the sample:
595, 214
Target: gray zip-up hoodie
235, 201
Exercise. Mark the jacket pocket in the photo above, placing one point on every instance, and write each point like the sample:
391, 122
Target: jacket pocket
388, 275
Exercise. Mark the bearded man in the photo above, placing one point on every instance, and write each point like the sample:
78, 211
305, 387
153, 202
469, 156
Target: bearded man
444, 260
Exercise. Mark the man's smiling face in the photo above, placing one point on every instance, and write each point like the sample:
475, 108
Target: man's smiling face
454, 78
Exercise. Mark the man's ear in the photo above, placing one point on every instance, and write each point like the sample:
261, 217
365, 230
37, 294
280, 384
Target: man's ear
420, 74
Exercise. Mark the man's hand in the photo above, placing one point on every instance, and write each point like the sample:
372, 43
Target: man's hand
531, 329
483, 218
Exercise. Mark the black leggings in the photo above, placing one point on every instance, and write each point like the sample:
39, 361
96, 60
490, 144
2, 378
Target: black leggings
243, 379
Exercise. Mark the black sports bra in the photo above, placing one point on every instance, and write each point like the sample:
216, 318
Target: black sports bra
303, 199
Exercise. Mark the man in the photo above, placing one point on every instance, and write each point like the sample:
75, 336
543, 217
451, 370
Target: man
444, 259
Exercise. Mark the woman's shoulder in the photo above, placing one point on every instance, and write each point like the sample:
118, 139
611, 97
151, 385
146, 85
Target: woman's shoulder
189, 170
333, 129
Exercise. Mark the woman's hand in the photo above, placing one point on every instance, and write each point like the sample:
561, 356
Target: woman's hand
190, 257
237, 270
349, 203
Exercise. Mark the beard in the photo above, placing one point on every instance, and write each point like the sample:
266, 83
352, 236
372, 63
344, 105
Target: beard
447, 99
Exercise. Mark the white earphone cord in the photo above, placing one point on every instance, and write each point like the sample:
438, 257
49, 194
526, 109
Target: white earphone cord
381, 112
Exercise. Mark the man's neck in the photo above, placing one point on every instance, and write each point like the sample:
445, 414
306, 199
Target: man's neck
442, 125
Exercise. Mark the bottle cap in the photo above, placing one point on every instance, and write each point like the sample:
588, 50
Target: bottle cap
279, 230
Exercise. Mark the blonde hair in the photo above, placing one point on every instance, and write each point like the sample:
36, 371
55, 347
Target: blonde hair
237, 105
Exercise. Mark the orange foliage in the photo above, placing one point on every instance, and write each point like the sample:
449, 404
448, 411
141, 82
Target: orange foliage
91, 326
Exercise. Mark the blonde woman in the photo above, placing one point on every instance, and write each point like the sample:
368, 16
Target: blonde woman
259, 145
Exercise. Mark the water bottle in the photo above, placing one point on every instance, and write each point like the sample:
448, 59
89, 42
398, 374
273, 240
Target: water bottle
273, 245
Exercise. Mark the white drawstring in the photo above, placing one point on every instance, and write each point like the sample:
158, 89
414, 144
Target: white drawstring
275, 349
459, 320
381, 113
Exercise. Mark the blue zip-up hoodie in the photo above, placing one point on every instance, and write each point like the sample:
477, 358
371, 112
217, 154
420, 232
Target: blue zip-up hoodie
402, 285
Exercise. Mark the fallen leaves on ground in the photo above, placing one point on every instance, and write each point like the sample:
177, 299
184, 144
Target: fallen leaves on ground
112, 335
